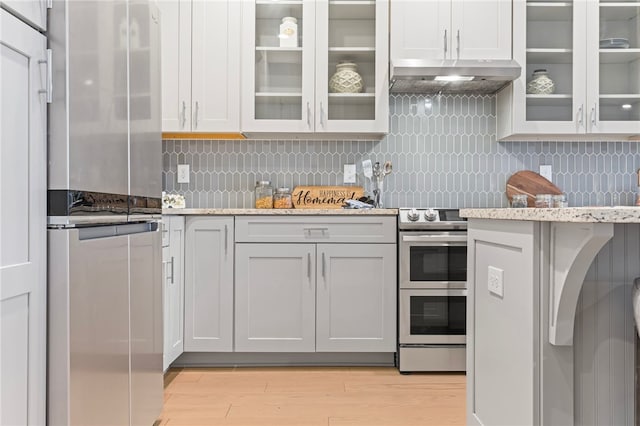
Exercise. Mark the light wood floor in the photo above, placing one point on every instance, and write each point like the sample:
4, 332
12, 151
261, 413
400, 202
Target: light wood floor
312, 396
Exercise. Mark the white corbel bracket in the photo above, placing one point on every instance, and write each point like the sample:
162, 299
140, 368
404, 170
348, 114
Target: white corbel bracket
573, 246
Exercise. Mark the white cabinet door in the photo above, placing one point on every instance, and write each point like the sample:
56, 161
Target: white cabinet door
175, 33
613, 74
480, 29
215, 66
451, 29
208, 308
34, 11
420, 29
275, 298
277, 82
548, 36
358, 33
22, 231
173, 261
200, 65
356, 298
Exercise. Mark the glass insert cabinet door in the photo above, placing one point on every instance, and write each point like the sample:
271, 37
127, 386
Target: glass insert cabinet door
549, 43
278, 65
614, 57
312, 63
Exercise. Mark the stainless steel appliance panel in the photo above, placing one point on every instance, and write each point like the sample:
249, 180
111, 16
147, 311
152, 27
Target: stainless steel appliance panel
433, 321
146, 327
433, 358
432, 259
88, 319
146, 120
88, 122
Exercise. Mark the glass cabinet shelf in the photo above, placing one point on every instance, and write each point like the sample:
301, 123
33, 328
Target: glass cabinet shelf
619, 56
549, 11
278, 94
549, 56
352, 10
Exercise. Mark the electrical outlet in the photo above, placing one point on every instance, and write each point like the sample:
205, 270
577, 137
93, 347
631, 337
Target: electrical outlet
494, 280
183, 173
546, 171
349, 173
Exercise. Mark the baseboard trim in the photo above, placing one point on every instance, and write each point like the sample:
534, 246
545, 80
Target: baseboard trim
264, 359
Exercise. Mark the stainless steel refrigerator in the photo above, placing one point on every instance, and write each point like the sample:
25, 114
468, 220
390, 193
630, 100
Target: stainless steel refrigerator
104, 189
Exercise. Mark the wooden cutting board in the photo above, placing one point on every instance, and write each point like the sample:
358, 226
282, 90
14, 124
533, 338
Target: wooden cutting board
324, 197
531, 184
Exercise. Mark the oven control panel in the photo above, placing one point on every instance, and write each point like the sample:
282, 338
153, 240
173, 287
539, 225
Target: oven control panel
425, 218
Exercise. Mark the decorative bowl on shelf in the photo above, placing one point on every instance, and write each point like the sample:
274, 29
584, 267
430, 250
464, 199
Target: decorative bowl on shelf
614, 43
346, 79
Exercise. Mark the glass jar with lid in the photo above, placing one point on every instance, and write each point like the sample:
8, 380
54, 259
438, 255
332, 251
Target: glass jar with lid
264, 194
282, 199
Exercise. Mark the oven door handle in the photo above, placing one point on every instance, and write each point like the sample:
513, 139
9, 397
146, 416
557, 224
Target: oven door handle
435, 239
433, 293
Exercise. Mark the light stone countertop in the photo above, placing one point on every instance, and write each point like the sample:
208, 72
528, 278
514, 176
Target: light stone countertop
621, 214
282, 212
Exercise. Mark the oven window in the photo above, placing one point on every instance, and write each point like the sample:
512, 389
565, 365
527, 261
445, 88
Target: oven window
428, 263
438, 315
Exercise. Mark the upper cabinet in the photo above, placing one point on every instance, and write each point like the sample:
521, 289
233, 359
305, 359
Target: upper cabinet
581, 71
613, 61
200, 65
451, 29
315, 66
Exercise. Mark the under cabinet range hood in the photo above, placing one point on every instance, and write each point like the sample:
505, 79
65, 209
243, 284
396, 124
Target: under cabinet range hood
452, 76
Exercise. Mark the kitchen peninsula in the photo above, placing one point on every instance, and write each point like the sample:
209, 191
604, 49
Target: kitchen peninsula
537, 353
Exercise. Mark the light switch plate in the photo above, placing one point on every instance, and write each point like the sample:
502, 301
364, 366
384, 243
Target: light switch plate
349, 173
183, 173
495, 281
546, 171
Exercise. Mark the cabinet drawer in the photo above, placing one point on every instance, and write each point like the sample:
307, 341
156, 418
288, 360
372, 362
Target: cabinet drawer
338, 229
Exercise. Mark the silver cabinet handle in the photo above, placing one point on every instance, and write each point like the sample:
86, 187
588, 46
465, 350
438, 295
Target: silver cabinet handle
195, 116
445, 44
309, 266
184, 115
458, 47
171, 269
49, 89
226, 239
308, 231
435, 239
324, 268
321, 115
581, 115
593, 116
308, 116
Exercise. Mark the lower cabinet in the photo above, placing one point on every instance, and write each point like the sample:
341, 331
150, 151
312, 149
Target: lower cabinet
356, 298
275, 297
208, 307
173, 287
315, 298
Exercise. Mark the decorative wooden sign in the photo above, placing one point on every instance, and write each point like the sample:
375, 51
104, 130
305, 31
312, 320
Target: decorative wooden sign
324, 197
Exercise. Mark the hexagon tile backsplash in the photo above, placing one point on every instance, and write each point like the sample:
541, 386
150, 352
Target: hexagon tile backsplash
444, 154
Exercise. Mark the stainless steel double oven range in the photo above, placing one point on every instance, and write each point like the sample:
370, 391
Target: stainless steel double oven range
432, 290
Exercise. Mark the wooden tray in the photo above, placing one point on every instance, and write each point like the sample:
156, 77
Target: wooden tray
531, 184
324, 197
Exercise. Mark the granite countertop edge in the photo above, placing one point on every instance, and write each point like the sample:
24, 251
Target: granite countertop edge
621, 214
281, 212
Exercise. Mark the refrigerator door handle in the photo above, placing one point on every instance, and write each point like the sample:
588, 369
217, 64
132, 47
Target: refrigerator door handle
115, 230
